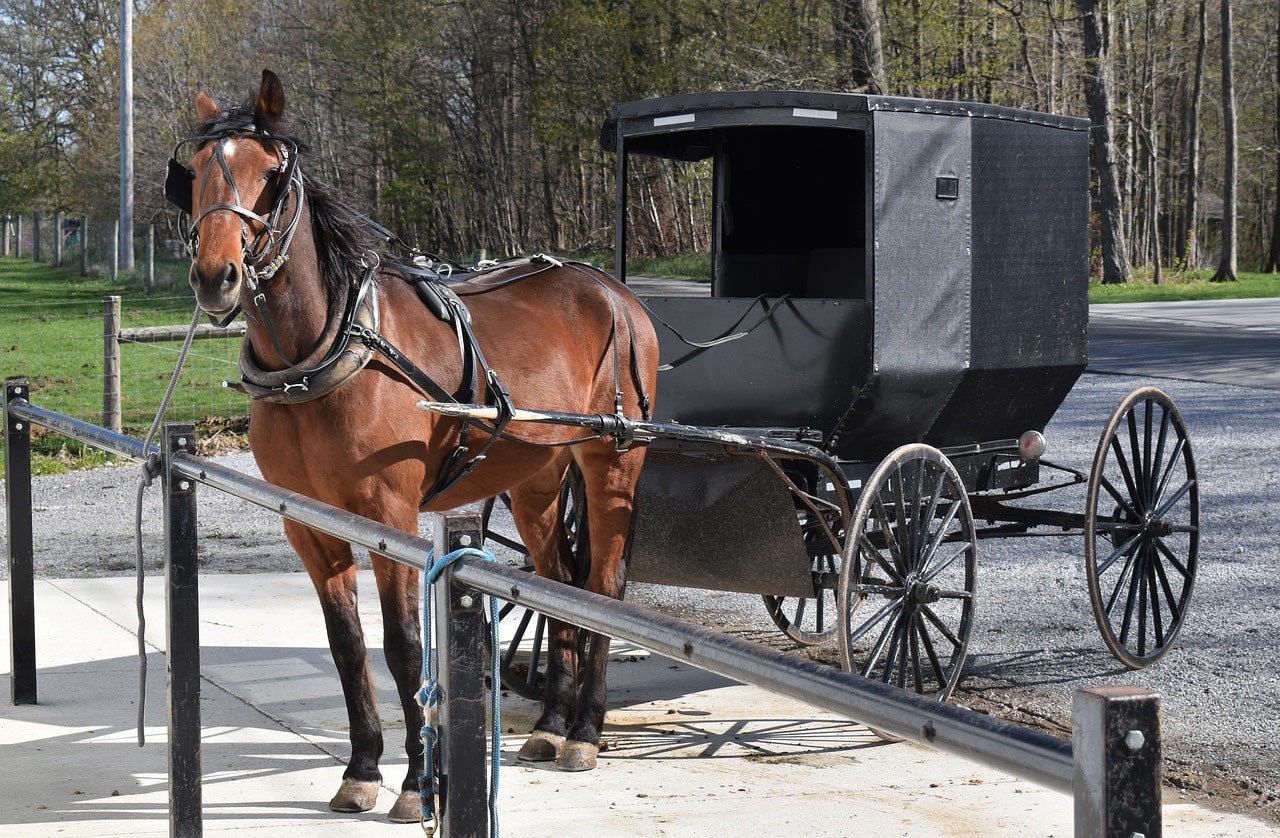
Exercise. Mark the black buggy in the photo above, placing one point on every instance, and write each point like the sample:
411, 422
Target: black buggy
897, 306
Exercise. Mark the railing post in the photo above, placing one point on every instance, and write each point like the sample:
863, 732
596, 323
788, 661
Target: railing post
111, 363
182, 645
37, 250
461, 777
1116, 748
22, 597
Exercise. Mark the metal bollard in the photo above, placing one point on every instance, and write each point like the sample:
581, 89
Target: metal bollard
182, 646
462, 780
22, 598
1116, 746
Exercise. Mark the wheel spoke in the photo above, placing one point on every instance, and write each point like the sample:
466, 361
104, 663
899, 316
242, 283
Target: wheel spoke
1153, 598
890, 628
934, 662
916, 673
1168, 554
1165, 419
938, 568
1175, 609
1124, 574
875, 618
1123, 464
1135, 584
1123, 502
936, 541
890, 540
941, 626
1123, 549
864, 543
1135, 460
1171, 502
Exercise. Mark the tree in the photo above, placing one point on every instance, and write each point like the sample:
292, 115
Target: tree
1227, 260
1187, 235
1115, 260
861, 21
1272, 264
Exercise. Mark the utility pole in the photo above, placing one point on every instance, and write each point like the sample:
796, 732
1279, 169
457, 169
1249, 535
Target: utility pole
126, 135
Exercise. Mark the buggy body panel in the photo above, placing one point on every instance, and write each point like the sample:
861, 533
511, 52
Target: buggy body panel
937, 250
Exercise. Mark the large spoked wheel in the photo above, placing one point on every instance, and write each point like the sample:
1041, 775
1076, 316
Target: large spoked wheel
911, 564
522, 631
811, 621
1142, 528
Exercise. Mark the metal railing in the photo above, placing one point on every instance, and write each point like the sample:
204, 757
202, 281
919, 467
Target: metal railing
1112, 770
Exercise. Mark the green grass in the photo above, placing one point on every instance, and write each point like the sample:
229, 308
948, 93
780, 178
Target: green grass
1182, 287
51, 335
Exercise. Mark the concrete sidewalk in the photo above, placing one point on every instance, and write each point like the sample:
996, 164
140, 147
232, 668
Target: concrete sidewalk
688, 753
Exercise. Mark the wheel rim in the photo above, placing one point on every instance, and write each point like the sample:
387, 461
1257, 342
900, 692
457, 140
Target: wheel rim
1142, 528
811, 621
523, 631
908, 591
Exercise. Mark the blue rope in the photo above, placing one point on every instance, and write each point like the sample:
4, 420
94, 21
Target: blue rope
429, 695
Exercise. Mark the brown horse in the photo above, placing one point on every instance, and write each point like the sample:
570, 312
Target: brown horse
335, 418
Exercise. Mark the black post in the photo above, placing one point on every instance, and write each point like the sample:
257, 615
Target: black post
1116, 747
182, 638
22, 590
462, 779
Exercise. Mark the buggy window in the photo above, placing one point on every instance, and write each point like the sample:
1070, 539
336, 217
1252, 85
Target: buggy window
782, 211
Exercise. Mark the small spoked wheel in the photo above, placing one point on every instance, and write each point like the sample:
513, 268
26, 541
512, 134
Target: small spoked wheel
910, 575
811, 621
1142, 528
522, 631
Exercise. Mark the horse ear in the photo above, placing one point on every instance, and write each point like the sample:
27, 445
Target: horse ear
206, 108
271, 96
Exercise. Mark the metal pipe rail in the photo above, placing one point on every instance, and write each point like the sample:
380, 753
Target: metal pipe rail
1105, 720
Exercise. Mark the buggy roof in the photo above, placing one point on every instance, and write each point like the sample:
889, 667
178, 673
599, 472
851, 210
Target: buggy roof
677, 125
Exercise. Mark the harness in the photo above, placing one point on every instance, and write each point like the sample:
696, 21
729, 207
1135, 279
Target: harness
350, 341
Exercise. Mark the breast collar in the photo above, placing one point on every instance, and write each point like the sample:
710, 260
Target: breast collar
334, 363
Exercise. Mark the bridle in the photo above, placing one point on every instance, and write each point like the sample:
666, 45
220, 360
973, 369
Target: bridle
255, 248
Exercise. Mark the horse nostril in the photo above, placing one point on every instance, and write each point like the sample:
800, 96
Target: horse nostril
227, 277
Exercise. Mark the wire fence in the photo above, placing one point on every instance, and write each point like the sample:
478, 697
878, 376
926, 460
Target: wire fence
91, 245
63, 351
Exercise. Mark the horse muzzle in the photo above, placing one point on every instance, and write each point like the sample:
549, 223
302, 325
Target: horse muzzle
217, 287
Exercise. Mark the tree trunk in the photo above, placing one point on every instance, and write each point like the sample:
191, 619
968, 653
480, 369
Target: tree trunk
1273, 258
1115, 261
1227, 260
866, 55
1190, 251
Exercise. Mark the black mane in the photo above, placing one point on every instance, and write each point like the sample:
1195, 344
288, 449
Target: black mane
341, 237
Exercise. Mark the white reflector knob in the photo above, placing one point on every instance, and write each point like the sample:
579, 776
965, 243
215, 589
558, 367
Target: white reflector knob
1031, 446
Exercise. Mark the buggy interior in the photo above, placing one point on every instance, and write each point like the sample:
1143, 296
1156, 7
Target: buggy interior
789, 207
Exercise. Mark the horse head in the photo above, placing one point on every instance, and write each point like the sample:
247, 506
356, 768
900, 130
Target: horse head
241, 178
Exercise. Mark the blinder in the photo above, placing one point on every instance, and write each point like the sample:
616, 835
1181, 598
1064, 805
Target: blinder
178, 185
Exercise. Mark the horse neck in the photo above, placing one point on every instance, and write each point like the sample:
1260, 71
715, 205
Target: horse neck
297, 304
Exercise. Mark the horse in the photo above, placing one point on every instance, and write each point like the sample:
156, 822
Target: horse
331, 322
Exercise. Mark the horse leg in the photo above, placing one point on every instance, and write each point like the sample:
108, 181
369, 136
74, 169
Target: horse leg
535, 506
402, 642
333, 572
610, 484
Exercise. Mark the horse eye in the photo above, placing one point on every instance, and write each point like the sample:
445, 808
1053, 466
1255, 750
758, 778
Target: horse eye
271, 174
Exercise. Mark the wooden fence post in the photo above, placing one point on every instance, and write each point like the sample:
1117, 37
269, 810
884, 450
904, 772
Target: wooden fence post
111, 363
57, 239
151, 257
84, 245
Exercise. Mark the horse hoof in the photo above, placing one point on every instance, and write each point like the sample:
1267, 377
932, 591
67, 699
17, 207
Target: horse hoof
407, 808
577, 756
540, 747
355, 796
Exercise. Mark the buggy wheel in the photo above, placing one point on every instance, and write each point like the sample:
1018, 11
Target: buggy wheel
811, 621
1142, 528
522, 631
911, 564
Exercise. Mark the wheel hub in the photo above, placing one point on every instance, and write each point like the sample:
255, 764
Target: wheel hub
923, 593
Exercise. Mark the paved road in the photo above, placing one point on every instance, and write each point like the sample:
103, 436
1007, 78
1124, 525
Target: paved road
1227, 341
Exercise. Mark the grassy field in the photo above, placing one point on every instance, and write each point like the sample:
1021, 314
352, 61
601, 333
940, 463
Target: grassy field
51, 335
